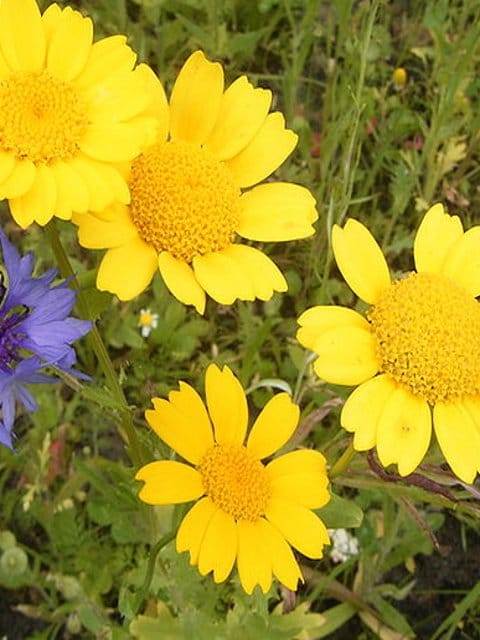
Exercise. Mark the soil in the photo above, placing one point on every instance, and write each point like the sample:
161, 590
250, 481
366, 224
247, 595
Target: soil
13, 624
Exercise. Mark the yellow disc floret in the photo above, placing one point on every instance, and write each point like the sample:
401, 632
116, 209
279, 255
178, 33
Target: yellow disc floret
183, 200
235, 481
427, 330
42, 118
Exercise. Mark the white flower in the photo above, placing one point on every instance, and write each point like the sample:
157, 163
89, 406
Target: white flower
344, 545
147, 321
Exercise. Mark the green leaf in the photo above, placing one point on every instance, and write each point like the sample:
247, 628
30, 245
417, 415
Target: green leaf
164, 626
340, 513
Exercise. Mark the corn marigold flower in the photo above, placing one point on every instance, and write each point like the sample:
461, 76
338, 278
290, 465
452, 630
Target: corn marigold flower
35, 331
245, 511
147, 321
70, 111
192, 196
416, 354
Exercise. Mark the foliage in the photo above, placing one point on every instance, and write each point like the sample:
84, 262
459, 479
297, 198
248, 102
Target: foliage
75, 542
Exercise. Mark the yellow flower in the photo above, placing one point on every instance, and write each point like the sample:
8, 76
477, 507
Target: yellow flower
399, 77
245, 511
416, 354
191, 197
69, 110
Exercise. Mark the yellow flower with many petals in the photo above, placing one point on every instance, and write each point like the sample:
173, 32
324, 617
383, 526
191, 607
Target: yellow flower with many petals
245, 511
69, 110
191, 196
416, 354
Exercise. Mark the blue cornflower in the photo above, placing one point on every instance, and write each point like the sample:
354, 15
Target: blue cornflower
35, 331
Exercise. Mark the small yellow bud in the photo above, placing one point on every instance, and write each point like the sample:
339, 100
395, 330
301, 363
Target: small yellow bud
399, 77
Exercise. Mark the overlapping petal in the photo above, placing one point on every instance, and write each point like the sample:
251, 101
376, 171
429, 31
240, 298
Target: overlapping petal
435, 236
459, 438
404, 431
363, 408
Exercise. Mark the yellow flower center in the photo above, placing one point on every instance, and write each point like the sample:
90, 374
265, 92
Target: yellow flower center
183, 200
146, 319
235, 481
428, 336
42, 118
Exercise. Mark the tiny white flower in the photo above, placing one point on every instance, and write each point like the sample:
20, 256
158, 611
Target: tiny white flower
147, 321
344, 545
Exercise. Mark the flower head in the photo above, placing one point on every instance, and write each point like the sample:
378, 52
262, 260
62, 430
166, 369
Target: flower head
416, 353
245, 510
147, 321
70, 110
399, 77
35, 331
192, 196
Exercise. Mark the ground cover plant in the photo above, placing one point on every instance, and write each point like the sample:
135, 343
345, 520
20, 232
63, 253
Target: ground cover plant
239, 326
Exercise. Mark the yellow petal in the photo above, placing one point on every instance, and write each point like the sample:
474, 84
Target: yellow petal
108, 56
72, 193
19, 181
219, 547
181, 282
94, 233
111, 142
183, 424
169, 482
272, 144
404, 431
322, 318
126, 271
274, 426
192, 529
7, 164
22, 38
299, 526
436, 234
158, 105
300, 477
362, 410
277, 211
70, 45
459, 439
222, 278
284, 565
51, 18
122, 96
462, 262
360, 260
40, 199
254, 559
243, 109
99, 190
264, 276
227, 405
346, 355
195, 100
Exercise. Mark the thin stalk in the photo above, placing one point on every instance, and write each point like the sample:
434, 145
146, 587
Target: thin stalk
342, 463
98, 346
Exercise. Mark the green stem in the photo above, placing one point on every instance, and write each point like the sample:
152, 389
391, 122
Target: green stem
98, 347
342, 463
142, 594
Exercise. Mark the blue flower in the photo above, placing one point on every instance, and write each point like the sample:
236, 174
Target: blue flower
35, 331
